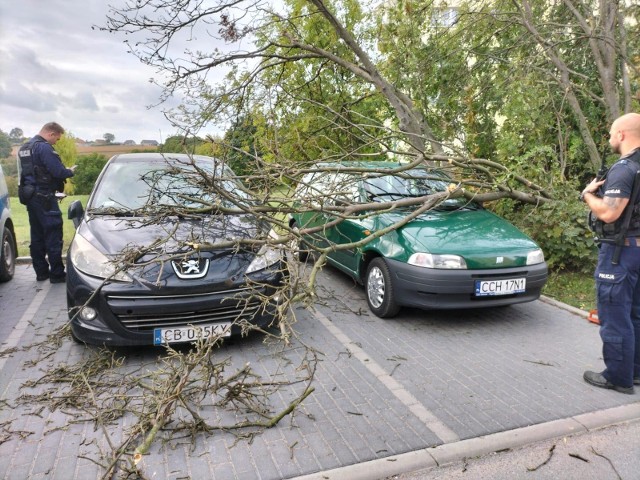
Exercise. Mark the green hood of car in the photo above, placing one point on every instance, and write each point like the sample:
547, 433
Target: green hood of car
482, 238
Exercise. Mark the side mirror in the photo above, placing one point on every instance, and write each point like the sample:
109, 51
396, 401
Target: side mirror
76, 212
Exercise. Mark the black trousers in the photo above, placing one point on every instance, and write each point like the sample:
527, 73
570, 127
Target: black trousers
45, 220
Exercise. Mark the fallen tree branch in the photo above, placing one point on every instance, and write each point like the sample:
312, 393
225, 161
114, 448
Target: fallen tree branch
533, 469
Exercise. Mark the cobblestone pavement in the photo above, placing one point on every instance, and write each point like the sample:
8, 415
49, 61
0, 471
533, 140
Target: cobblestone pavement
383, 388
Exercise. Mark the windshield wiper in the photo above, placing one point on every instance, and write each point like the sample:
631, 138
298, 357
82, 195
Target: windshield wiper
459, 206
113, 212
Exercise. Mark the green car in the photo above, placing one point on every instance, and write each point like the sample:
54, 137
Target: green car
454, 255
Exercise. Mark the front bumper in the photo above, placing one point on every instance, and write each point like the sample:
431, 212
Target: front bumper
428, 288
128, 313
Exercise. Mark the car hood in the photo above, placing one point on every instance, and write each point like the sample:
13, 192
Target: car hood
218, 254
112, 235
482, 238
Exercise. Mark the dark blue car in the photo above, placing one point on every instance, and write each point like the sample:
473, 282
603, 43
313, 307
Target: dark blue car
9, 246
146, 267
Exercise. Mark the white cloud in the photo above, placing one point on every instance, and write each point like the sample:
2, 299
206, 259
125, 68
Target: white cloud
55, 67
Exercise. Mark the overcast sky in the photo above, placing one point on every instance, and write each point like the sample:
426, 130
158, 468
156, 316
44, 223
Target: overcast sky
54, 67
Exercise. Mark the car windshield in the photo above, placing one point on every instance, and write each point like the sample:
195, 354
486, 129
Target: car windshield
130, 186
412, 183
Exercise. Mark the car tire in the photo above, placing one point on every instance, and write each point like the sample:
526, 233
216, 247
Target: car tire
297, 249
379, 289
76, 340
7, 256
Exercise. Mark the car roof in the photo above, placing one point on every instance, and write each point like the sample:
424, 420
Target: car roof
152, 157
368, 164
375, 165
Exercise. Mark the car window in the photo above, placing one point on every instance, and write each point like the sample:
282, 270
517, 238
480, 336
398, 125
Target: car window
328, 188
412, 183
345, 187
131, 186
316, 188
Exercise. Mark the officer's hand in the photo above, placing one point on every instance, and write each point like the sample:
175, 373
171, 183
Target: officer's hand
73, 168
593, 186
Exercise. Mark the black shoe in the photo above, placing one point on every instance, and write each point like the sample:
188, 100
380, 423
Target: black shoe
61, 279
43, 277
597, 380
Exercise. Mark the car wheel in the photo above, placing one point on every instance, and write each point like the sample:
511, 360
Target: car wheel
299, 253
379, 288
76, 339
7, 256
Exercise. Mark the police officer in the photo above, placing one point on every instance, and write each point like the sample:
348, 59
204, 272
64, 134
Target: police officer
618, 282
41, 175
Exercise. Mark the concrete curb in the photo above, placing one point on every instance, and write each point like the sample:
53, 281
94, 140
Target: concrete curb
475, 447
563, 306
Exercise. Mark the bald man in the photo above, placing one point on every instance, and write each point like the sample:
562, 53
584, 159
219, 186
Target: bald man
618, 284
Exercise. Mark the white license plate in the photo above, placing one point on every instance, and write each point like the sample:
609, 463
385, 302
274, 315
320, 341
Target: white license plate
163, 336
486, 288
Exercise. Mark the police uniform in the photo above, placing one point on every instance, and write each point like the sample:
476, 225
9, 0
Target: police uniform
42, 173
618, 284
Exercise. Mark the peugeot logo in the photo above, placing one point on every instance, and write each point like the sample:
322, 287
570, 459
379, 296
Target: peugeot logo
192, 268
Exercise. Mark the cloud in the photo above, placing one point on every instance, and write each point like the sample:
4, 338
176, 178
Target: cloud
85, 101
60, 69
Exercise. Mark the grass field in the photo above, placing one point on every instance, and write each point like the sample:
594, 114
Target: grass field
21, 223
110, 150
106, 150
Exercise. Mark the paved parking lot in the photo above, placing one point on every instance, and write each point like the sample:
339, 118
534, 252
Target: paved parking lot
384, 389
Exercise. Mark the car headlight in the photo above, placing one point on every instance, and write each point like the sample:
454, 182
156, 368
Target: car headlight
267, 256
429, 260
88, 259
537, 256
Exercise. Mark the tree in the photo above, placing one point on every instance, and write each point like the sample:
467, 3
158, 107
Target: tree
5, 145
521, 75
16, 135
308, 36
85, 176
455, 96
211, 147
180, 144
66, 148
241, 146
109, 137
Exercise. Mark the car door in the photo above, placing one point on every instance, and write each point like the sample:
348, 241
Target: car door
311, 199
349, 230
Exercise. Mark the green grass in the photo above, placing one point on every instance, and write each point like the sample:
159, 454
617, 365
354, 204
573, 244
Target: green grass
21, 223
575, 289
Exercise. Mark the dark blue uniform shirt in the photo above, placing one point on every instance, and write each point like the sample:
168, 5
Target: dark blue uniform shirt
43, 154
619, 181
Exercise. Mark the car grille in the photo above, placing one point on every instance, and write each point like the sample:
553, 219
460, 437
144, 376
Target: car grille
164, 314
